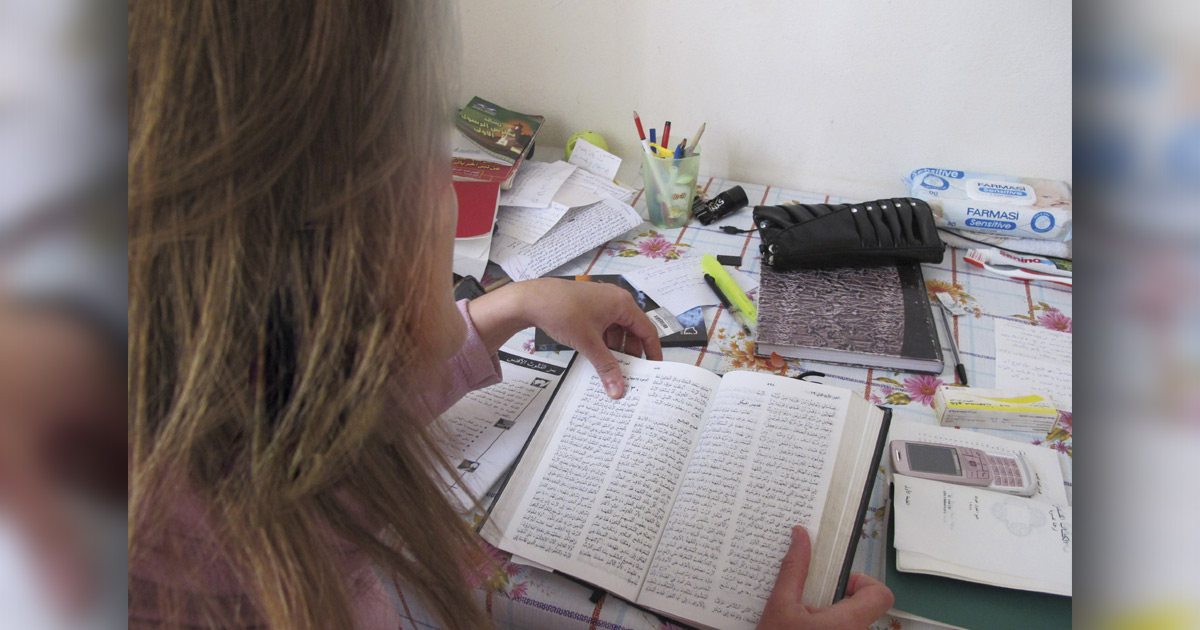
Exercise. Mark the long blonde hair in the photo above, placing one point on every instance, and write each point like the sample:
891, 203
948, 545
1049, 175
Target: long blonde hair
286, 170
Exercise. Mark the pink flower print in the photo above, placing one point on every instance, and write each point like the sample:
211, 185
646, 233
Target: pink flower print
922, 388
1061, 447
1064, 421
1054, 319
657, 247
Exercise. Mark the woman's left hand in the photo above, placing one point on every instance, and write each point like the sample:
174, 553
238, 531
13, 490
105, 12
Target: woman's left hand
590, 317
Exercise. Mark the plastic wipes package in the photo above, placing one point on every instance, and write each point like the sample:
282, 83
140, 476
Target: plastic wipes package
1019, 207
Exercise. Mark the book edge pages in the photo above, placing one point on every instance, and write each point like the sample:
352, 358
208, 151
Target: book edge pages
838, 518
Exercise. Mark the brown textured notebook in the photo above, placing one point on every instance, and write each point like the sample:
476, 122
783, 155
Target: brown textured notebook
876, 317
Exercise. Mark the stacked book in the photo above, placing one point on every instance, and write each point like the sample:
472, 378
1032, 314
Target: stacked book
488, 147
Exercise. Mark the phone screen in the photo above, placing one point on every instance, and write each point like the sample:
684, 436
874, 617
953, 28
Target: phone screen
928, 458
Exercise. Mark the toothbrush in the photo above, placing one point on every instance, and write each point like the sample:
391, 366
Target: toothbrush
979, 259
1029, 262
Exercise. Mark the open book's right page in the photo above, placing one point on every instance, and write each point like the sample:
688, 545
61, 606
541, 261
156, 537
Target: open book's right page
763, 463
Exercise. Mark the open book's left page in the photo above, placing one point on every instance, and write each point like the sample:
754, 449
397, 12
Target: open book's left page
483, 433
592, 493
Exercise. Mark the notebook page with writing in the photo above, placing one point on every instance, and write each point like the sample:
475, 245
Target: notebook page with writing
595, 487
764, 463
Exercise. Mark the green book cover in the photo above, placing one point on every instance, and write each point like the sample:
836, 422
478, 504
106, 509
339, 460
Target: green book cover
502, 133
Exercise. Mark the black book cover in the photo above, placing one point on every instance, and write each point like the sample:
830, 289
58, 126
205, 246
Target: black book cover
867, 316
694, 332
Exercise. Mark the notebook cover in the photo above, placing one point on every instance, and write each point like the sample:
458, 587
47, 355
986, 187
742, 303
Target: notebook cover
503, 133
873, 316
694, 332
971, 605
477, 204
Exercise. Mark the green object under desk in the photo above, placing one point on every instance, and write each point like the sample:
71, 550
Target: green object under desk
971, 605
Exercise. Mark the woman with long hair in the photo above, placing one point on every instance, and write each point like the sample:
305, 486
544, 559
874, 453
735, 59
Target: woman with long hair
292, 331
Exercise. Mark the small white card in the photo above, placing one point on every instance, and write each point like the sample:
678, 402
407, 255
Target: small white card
594, 160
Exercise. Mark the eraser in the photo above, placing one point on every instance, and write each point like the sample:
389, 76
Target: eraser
730, 261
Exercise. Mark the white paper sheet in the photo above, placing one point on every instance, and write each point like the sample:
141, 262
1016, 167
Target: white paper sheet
528, 224
487, 428
996, 538
579, 231
1033, 357
471, 255
595, 160
535, 184
583, 188
679, 285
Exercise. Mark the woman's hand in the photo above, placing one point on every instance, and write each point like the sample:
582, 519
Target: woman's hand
590, 317
866, 599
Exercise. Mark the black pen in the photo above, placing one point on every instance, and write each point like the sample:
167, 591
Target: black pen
733, 310
959, 368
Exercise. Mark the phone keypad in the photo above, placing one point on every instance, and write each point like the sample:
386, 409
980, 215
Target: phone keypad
974, 466
1007, 473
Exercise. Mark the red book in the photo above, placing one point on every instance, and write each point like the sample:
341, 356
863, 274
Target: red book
477, 203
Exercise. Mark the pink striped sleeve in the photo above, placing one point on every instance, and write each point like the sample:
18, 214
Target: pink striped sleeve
470, 369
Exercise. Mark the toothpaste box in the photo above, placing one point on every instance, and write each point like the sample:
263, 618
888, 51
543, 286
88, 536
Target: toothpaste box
980, 408
1019, 207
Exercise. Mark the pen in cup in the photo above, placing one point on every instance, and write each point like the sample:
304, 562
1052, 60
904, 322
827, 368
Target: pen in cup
696, 138
637, 120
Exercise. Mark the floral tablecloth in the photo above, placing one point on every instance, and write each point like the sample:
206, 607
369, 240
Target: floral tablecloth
521, 597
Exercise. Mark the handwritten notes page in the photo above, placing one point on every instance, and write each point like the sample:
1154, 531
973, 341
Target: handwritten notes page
982, 536
679, 285
580, 230
483, 433
583, 188
598, 488
593, 159
1034, 357
763, 464
528, 224
535, 184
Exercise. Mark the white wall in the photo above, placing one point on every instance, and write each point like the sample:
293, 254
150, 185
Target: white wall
842, 97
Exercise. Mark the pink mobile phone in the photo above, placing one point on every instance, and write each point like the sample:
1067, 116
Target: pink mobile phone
962, 465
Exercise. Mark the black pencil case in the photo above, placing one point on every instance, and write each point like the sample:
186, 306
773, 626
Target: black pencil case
867, 234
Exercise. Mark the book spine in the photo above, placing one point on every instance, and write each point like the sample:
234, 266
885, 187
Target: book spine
863, 503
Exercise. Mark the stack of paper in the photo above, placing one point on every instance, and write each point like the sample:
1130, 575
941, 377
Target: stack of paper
555, 212
550, 215
981, 535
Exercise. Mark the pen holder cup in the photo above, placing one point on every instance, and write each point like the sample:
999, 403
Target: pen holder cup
670, 187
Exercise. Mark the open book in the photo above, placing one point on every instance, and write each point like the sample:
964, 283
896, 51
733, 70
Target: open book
681, 496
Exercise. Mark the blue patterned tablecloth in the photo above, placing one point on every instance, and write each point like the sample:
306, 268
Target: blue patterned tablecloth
521, 597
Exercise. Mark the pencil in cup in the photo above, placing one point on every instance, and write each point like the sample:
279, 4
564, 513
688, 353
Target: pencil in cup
670, 187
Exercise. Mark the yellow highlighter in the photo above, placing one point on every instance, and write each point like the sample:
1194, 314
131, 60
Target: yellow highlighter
730, 288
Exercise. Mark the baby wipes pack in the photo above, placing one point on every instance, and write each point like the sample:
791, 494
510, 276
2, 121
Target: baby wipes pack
1020, 207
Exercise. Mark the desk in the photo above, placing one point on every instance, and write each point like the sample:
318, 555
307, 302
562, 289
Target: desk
525, 598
